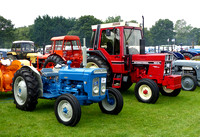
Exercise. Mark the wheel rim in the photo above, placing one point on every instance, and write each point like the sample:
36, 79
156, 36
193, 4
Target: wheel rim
50, 65
167, 90
20, 90
92, 65
187, 83
145, 92
109, 104
187, 58
65, 110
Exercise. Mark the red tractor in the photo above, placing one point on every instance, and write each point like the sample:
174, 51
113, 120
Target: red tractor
119, 47
63, 48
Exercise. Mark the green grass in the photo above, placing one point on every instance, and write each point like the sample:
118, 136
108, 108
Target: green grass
169, 116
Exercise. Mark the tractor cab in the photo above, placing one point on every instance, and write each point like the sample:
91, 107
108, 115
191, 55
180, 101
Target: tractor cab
118, 42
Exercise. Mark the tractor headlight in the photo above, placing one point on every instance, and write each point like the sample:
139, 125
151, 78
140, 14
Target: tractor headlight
103, 89
95, 87
95, 90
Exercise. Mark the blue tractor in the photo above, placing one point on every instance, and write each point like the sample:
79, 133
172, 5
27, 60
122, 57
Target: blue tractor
71, 87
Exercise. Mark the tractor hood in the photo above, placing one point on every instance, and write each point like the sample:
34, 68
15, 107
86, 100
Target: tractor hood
149, 57
188, 63
81, 74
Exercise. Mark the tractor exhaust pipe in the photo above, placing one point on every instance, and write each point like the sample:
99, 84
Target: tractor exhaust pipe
84, 53
142, 41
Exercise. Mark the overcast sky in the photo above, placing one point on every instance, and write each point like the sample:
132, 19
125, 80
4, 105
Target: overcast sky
24, 12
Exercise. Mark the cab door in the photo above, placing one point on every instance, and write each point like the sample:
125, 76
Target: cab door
110, 46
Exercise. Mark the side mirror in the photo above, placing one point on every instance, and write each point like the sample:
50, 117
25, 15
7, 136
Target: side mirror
108, 33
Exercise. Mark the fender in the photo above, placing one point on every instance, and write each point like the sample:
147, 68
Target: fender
37, 74
11, 53
97, 52
57, 55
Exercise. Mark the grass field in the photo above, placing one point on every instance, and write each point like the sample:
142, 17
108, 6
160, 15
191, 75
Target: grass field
170, 116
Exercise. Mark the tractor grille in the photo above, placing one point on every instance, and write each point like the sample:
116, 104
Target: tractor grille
167, 69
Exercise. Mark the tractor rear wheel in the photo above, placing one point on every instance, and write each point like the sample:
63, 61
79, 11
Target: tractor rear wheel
126, 85
25, 89
114, 104
67, 110
52, 61
146, 91
187, 56
197, 58
188, 82
169, 92
97, 62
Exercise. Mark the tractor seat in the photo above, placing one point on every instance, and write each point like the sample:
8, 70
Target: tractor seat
48, 72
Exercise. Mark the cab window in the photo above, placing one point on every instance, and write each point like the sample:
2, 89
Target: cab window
58, 45
110, 41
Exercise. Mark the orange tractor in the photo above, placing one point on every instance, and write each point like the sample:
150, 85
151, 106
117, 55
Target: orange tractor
63, 48
7, 71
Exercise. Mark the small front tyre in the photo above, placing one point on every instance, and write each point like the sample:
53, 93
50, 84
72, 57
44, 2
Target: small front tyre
67, 110
188, 82
146, 91
113, 104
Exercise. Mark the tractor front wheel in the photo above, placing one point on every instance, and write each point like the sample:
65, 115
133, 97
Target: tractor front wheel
169, 92
188, 82
146, 91
187, 56
113, 103
25, 89
67, 110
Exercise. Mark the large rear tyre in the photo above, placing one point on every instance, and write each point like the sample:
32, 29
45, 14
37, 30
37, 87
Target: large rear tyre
94, 61
114, 104
169, 92
188, 82
52, 61
25, 89
197, 58
146, 91
67, 110
187, 56
126, 85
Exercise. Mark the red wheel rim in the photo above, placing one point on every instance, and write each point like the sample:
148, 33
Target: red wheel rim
187, 58
50, 65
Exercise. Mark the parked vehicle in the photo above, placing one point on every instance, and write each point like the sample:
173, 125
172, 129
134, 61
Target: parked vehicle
120, 49
24, 50
190, 72
63, 48
71, 87
7, 70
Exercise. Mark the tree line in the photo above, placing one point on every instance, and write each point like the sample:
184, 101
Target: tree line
45, 27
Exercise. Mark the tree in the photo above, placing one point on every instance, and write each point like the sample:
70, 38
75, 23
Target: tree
46, 27
23, 33
6, 32
83, 29
182, 32
148, 37
162, 31
113, 19
194, 36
